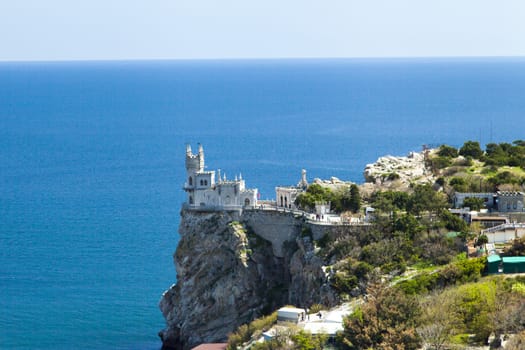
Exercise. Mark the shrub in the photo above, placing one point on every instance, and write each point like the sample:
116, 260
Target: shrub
245, 332
461, 271
447, 151
471, 149
386, 321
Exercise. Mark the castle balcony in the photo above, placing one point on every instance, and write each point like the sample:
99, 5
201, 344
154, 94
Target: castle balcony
187, 187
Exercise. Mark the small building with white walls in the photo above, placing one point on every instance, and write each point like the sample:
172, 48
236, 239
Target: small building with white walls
205, 191
285, 196
291, 314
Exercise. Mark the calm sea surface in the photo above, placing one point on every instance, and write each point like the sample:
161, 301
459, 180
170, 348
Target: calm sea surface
92, 165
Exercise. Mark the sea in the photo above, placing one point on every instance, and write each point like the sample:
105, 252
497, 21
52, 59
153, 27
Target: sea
92, 165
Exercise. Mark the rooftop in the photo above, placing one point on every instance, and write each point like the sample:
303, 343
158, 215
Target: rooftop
493, 258
211, 346
514, 259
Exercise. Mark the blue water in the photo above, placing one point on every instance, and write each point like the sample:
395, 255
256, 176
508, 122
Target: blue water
92, 157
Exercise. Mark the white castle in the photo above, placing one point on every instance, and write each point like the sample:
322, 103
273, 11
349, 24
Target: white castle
204, 192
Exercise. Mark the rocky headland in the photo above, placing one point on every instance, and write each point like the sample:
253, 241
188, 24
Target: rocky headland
232, 268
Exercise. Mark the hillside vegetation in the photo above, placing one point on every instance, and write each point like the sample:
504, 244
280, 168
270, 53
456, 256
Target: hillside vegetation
471, 169
420, 288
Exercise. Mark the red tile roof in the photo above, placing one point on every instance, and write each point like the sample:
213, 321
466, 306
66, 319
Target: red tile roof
211, 346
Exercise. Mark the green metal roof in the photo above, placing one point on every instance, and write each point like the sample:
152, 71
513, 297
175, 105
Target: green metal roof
493, 258
514, 259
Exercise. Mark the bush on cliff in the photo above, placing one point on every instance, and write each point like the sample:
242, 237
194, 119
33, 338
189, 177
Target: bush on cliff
255, 328
293, 339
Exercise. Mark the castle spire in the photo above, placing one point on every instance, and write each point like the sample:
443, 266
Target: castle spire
188, 149
201, 158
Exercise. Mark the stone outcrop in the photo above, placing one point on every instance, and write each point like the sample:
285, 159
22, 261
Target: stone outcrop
398, 173
233, 268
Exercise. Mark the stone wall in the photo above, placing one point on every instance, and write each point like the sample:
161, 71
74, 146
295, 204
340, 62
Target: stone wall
274, 226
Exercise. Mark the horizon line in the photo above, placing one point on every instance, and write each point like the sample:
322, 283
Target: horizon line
305, 58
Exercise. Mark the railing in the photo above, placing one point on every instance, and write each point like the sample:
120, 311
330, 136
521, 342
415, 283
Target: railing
309, 217
503, 227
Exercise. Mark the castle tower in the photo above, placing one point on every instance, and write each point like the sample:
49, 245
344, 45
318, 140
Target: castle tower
303, 184
194, 162
194, 165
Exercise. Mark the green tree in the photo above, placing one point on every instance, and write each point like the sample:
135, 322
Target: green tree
453, 222
355, 199
481, 241
314, 193
473, 304
408, 224
459, 184
388, 201
386, 321
306, 341
447, 151
425, 198
471, 149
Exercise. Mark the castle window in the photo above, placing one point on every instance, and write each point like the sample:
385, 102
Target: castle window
202, 183
190, 181
282, 204
205, 182
247, 202
191, 200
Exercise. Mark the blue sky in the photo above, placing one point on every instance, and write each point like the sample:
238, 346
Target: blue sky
172, 29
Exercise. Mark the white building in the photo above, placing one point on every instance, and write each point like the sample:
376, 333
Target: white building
285, 196
204, 191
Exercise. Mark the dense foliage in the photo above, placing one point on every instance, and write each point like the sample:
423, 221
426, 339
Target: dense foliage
486, 175
348, 199
465, 313
442, 301
471, 149
386, 321
423, 199
293, 339
505, 154
254, 329
460, 271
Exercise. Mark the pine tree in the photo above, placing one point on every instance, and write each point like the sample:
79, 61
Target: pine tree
355, 199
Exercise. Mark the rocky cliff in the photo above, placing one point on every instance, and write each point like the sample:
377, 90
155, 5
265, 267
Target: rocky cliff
232, 268
397, 173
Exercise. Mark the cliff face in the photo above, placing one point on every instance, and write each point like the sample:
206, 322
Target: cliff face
232, 269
